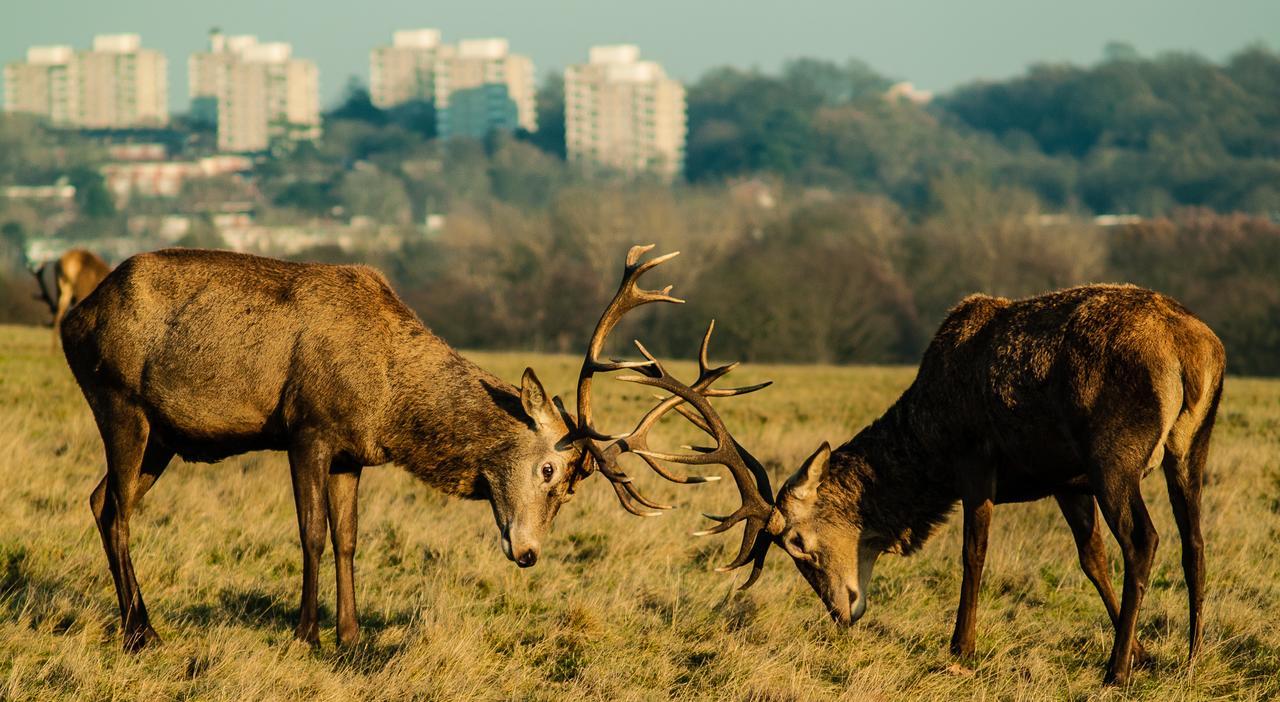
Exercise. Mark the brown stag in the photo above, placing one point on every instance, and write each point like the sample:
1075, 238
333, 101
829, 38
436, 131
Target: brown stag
77, 272
1076, 394
208, 354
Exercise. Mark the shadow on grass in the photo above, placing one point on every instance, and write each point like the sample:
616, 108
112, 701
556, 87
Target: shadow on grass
365, 657
45, 603
258, 609
250, 607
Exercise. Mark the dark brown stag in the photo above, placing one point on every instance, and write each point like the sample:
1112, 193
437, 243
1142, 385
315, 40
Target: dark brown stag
1076, 394
76, 273
207, 355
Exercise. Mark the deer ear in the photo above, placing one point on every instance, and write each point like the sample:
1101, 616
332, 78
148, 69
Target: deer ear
803, 485
534, 399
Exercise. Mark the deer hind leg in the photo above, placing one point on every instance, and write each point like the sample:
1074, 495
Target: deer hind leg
1081, 513
1116, 481
1184, 474
134, 462
309, 462
344, 482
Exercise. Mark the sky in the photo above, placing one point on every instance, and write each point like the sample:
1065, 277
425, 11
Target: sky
936, 44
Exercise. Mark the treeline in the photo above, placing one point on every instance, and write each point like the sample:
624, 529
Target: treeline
847, 279
820, 220
1129, 134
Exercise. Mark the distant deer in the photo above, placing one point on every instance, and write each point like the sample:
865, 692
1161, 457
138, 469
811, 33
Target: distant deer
1076, 394
209, 354
77, 272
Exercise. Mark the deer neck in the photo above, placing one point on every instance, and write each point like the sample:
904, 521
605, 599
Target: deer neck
448, 418
906, 488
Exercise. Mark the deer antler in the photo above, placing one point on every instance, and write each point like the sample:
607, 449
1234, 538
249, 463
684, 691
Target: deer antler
761, 519
605, 457
629, 296
38, 272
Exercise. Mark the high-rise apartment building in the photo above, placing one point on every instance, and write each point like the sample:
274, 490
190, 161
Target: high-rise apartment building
116, 85
122, 85
206, 71
476, 86
486, 88
257, 93
409, 70
623, 114
44, 84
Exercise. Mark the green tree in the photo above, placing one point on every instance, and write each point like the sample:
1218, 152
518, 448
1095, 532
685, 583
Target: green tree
550, 101
368, 192
91, 193
357, 106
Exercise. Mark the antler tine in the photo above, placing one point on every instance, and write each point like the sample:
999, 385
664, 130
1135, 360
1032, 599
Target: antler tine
625, 499
628, 297
637, 441
757, 512
734, 392
38, 272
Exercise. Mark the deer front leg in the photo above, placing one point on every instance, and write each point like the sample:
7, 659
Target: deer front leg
309, 463
978, 506
342, 488
64, 303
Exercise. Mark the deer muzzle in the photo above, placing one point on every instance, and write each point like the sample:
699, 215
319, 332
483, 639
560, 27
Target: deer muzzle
520, 548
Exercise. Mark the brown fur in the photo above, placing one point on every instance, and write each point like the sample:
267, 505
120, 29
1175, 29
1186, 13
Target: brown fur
1076, 394
210, 354
77, 272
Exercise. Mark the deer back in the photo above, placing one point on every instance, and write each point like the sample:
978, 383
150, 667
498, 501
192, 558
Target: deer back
232, 352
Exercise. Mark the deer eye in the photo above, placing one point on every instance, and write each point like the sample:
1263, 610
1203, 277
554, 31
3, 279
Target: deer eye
548, 472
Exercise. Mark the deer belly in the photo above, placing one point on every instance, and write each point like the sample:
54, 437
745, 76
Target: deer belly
1047, 475
213, 420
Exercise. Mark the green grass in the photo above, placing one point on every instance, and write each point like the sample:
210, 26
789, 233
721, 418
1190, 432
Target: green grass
618, 607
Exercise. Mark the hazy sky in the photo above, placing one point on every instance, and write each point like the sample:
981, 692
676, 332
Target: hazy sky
935, 43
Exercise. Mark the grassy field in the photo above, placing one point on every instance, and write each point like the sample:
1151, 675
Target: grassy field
618, 607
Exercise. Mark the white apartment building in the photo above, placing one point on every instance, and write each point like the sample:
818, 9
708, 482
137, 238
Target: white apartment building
624, 115
206, 72
43, 85
258, 93
476, 86
115, 85
409, 70
486, 87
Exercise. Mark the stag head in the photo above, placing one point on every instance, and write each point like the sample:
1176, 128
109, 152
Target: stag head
530, 482
835, 556
562, 450
806, 520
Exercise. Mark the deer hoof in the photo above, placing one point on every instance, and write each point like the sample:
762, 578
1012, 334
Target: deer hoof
139, 639
1142, 659
309, 635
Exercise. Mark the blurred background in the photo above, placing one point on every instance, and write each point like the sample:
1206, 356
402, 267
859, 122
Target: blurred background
838, 174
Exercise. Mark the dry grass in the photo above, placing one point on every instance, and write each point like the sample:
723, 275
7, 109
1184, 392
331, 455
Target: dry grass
619, 607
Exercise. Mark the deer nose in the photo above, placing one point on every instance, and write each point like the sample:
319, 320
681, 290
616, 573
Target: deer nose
526, 559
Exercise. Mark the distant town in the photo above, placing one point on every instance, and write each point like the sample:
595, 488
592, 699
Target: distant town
621, 113
816, 191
